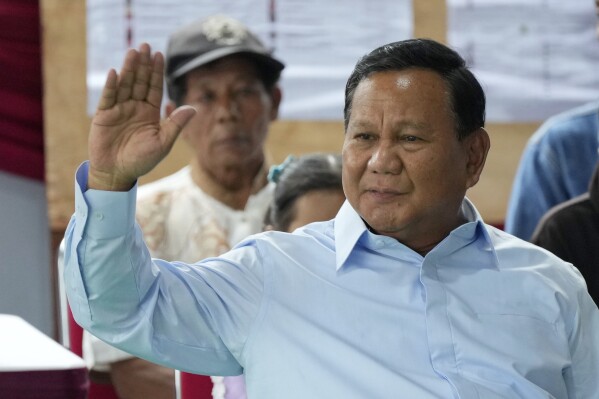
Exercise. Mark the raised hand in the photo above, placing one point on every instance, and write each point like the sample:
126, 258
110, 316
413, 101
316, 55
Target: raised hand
127, 138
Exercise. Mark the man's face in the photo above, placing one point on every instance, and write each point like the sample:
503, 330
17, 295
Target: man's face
404, 169
234, 111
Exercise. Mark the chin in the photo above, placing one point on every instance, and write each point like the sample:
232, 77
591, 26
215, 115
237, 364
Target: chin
232, 158
381, 222
386, 229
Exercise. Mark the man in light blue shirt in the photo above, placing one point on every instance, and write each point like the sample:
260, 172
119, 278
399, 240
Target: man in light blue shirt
406, 293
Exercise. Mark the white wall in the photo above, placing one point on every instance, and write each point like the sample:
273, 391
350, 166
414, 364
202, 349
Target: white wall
25, 276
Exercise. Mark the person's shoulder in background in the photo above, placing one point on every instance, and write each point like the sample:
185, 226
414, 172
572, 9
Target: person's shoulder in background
556, 165
579, 122
167, 183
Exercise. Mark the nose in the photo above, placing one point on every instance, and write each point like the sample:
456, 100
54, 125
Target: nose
227, 108
385, 159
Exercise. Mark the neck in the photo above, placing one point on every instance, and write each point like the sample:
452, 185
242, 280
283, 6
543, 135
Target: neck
233, 186
433, 239
424, 242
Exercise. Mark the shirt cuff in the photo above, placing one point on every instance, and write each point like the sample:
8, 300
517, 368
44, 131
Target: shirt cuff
103, 214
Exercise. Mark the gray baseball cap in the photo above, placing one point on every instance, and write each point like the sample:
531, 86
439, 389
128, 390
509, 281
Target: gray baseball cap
212, 38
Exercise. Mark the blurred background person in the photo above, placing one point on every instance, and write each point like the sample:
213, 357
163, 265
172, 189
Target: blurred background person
556, 165
571, 231
308, 189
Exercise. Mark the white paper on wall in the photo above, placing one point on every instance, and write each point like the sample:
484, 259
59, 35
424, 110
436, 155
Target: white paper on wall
319, 41
534, 58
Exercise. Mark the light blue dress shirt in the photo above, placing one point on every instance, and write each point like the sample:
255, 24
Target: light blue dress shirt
335, 311
557, 165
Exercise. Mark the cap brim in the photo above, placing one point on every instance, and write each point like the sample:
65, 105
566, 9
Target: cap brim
216, 54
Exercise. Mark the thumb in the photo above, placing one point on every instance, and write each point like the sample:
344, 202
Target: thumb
176, 121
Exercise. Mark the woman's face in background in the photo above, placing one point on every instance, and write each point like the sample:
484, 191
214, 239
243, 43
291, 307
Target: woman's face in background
315, 206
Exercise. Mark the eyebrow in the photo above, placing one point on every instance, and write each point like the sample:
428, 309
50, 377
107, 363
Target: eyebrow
360, 125
366, 125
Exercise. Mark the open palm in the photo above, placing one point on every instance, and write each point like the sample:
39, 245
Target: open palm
127, 138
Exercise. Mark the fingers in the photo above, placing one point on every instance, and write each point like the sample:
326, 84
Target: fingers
127, 76
109, 93
177, 120
141, 77
155, 88
142, 74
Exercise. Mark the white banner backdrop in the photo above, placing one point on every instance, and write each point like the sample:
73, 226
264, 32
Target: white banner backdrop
319, 41
534, 58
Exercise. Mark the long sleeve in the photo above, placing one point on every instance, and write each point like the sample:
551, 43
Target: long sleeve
192, 317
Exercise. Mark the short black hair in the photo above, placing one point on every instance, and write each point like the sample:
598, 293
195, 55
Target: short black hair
467, 98
318, 171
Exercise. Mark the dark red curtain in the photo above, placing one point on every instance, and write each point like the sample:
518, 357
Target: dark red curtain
21, 113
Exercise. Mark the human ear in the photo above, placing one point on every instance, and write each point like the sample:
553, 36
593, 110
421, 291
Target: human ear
477, 145
275, 98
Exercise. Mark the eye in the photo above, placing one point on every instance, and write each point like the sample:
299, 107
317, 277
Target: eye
411, 142
364, 136
246, 91
410, 139
204, 97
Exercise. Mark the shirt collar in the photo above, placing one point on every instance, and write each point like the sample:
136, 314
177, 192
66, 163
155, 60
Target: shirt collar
473, 230
349, 227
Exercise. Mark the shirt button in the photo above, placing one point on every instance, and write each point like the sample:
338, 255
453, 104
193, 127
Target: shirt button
99, 216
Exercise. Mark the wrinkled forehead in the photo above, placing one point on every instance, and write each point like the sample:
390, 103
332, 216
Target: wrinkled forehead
415, 83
